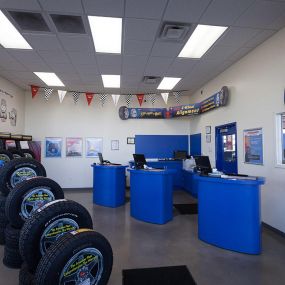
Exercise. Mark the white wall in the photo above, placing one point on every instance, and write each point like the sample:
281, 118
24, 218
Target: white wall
17, 101
256, 86
52, 119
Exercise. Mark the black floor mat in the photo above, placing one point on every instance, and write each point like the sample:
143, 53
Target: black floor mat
170, 275
187, 209
127, 199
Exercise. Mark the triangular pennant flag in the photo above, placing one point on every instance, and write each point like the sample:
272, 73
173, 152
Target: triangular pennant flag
89, 97
75, 95
48, 92
152, 98
176, 95
34, 90
116, 99
61, 94
103, 99
140, 98
128, 99
165, 97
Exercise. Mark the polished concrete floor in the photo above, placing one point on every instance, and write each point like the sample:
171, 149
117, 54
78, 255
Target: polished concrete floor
137, 244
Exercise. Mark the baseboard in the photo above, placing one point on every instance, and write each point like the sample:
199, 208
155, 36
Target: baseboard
78, 189
274, 229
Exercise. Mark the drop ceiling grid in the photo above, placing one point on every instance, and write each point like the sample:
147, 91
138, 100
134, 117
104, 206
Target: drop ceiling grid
250, 23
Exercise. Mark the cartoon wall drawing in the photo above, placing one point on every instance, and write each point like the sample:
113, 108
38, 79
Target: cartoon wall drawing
13, 117
3, 110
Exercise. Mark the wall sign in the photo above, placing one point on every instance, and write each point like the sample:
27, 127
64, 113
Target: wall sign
53, 147
253, 146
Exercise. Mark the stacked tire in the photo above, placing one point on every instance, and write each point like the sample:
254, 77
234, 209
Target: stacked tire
58, 246
3, 219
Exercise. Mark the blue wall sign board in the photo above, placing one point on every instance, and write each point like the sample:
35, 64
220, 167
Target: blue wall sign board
217, 100
160, 146
195, 144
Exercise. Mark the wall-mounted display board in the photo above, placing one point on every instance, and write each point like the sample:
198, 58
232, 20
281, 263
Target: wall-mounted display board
74, 147
93, 146
253, 146
53, 147
217, 100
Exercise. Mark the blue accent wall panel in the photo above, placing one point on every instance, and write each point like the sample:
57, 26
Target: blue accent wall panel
195, 144
160, 146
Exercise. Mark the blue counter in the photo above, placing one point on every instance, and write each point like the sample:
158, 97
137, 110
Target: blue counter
229, 213
190, 183
178, 178
151, 195
109, 185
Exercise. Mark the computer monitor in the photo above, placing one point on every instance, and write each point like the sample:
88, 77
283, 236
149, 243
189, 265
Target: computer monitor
203, 164
100, 158
139, 160
180, 154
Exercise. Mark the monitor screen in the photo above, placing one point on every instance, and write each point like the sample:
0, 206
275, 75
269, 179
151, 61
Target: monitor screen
203, 163
100, 158
180, 154
139, 160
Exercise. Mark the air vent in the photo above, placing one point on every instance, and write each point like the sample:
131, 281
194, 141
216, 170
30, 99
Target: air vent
68, 24
32, 22
151, 79
174, 31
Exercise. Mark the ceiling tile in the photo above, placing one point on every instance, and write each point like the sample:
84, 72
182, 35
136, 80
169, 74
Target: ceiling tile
77, 57
27, 5
180, 67
278, 23
157, 66
133, 65
259, 38
168, 49
237, 36
109, 63
131, 81
85, 69
62, 6
13, 65
219, 52
188, 11
68, 76
141, 29
136, 47
39, 66
54, 56
25, 55
224, 12
106, 8
43, 41
240, 54
5, 57
261, 14
147, 9
26, 75
81, 43
62, 67
91, 80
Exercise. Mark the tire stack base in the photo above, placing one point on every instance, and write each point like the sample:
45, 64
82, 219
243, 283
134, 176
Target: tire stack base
25, 276
3, 219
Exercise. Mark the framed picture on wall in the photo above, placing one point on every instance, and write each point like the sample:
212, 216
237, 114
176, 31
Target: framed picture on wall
114, 144
208, 138
93, 146
130, 140
74, 147
208, 129
53, 147
253, 146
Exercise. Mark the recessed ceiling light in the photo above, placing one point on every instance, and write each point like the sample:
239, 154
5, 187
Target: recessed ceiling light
168, 83
201, 40
106, 33
111, 81
9, 35
49, 78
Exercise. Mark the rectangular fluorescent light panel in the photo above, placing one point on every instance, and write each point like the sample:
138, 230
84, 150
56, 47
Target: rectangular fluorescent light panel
49, 78
9, 35
106, 33
168, 83
201, 40
111, 81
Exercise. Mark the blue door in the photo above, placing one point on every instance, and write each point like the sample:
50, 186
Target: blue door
195, 144
226, 148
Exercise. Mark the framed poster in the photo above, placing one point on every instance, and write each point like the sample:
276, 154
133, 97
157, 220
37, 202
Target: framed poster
93, 146
208, 138
114, 144
253, 146
53, 147
208, 129
74, 147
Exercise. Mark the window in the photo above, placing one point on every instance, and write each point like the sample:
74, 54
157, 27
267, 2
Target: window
280, 132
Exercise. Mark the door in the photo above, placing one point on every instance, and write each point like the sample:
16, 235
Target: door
195, 144
226, 148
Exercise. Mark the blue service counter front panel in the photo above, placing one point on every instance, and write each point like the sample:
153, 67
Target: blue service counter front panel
109, 185
229, 213
190, 183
